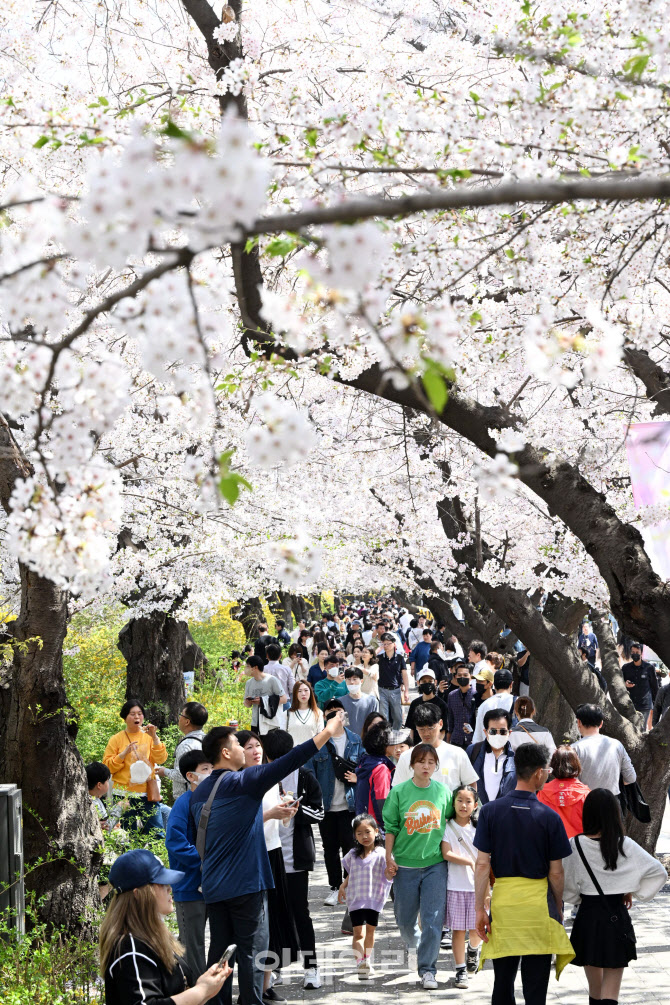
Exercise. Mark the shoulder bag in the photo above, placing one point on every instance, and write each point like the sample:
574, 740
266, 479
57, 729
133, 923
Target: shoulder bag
618, 917
204, 819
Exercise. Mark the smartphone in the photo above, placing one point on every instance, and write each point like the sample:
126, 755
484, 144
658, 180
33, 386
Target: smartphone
228, 953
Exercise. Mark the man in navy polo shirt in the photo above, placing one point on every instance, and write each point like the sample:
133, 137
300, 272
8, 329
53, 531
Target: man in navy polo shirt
523, 842
236, 870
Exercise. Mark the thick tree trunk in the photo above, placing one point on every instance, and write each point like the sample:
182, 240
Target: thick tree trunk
61, 834
281, 606
249, 613
158, 650
299, 608
315, 604
552, 710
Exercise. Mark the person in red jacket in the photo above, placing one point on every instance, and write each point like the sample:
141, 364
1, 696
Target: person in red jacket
565, 793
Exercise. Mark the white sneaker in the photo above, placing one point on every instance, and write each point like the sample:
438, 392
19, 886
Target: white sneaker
331, 899
428, 982
363, 968
312, 979
276, 978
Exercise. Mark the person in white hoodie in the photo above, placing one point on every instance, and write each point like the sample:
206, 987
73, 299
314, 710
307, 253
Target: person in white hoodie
603, 874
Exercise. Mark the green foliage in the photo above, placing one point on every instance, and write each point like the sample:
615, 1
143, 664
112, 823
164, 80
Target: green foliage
230, 482
47, 968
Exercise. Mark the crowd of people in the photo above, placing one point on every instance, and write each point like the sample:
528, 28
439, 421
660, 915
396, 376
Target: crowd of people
419, 807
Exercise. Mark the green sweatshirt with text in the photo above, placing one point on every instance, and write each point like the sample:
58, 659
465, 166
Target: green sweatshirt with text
416, 816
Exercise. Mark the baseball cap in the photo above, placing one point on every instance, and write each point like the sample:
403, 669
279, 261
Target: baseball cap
398, 736
486, 674
425, 673
140, 867
502, 678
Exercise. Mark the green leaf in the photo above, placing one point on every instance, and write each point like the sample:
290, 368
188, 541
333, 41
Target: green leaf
280, 247
436, 388
311, 135
41, 142
231, 482
509, 252
172, 130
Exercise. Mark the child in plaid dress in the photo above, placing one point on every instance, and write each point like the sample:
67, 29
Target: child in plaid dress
365, 889
459, 851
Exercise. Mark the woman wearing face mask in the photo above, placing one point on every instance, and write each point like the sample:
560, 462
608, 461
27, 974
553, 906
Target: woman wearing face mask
483, 684
332, 686
427, 689
283, 935
493, 757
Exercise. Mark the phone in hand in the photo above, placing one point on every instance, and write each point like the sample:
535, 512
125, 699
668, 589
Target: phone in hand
228, 953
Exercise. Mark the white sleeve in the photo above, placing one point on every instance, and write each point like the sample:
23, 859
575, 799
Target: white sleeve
571, 891
403, 772
652, 875
458, 650
467, 771
478, 734
627, 770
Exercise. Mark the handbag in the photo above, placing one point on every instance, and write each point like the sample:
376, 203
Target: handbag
153, 788
340, 765
619, 920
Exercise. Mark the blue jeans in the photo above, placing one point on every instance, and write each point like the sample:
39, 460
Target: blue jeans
421, 892
142, 815
390, 706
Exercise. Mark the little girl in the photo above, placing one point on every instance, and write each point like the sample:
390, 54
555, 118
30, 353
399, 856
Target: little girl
459, 851
365, 889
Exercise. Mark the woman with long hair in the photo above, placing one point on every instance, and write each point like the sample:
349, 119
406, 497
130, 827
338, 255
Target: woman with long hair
356, 638
565, 793
305, 718
283, 942
526, 729
370, 672
296, 662
603, 874
140, 959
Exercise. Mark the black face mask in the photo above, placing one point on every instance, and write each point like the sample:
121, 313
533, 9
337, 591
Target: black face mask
636, 657
462, 681
480, 687
426, 688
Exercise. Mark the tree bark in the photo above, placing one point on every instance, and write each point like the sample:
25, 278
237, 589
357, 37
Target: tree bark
61, 834
249, 613
158, 649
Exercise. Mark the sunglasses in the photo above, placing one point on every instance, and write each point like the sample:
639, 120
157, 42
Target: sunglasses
498, 732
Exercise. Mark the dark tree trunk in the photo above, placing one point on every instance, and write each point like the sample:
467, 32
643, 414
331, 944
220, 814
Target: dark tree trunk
315, 604
61, 834
299, 608
158, 649
281, 606
249, 613
552, 710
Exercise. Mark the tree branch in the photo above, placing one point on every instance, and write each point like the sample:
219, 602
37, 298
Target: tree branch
655, 379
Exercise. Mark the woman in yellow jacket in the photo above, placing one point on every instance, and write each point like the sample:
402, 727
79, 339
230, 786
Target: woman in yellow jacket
136, 744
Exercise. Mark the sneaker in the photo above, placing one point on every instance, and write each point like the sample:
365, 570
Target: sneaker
276, 978
271, 996
445, 941
312, 979
472, 960
428, 982
363, 968
461, 978
331, 899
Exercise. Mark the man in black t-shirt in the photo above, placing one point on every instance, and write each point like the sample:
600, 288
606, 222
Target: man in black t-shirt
393, 681
263, 641
641, 681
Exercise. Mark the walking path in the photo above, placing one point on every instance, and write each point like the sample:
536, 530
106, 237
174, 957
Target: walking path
647, 980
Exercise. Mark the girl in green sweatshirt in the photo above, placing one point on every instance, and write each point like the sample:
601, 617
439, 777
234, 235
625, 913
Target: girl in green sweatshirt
415, 813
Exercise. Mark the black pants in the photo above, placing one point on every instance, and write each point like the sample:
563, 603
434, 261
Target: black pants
534, 979
244, 921
298, 892
336, 834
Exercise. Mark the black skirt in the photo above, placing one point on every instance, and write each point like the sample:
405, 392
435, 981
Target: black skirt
598, 939
284, 945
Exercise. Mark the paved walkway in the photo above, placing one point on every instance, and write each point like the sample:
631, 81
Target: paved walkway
647, 980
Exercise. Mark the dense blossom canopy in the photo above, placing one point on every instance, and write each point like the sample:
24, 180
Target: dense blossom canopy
127, 381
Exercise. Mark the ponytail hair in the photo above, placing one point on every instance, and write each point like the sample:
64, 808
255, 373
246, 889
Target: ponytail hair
524, 707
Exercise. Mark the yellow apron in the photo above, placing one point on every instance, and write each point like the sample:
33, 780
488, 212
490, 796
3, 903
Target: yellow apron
520, 923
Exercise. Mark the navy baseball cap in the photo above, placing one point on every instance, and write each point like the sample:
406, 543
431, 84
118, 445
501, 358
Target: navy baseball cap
140, 867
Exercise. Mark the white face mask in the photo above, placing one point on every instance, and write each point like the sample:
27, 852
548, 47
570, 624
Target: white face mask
497, 741
334, 671
201, 776
353, 688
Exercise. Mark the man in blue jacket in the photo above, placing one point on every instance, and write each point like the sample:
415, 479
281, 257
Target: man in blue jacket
421, 653
493, 757
235, 866
183, 856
